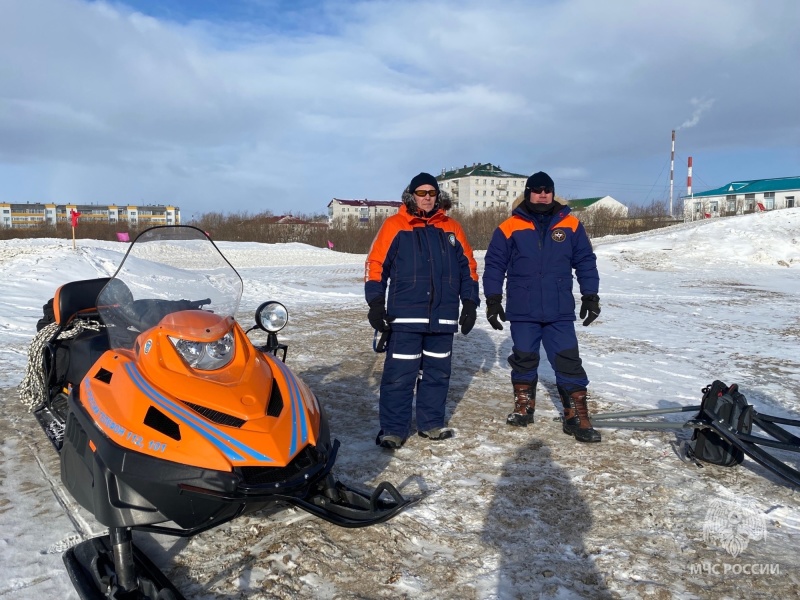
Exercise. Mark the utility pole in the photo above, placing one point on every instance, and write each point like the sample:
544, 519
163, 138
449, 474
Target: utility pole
689, 190
671, 171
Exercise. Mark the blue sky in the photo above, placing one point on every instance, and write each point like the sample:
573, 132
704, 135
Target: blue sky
254, 105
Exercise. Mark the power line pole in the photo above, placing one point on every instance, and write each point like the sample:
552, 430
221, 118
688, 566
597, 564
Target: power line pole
671, 171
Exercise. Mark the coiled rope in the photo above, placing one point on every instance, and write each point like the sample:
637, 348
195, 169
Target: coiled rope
33, 389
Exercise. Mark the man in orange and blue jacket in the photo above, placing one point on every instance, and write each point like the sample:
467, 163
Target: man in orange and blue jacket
536, 251
426, 257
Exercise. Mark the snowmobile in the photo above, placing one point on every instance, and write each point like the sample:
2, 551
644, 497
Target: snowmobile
168, 419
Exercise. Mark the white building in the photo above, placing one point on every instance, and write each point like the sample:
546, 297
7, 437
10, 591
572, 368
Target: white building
35, 214
601, 202
363, 210
481, 186
746, 196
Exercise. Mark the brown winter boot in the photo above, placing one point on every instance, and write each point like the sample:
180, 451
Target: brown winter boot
576, 416
524, 405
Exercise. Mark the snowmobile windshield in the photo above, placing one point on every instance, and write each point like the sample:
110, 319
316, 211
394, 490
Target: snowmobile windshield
167, 269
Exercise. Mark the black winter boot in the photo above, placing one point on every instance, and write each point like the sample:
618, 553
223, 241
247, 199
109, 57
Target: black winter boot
576, 416
524, 405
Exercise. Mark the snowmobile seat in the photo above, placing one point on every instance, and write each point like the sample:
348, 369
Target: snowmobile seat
76, 297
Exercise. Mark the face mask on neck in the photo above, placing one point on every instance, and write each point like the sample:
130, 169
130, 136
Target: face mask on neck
540, 208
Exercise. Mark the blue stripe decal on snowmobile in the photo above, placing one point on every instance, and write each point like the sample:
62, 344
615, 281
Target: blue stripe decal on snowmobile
157, 399
186, 416
182, 414
216, 436
298, 409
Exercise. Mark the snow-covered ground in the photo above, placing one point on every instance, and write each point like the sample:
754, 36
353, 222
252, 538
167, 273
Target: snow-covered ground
505, 512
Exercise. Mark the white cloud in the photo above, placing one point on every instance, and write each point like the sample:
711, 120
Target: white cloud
138, 107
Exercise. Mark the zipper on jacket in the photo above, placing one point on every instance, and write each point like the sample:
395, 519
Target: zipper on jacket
419, 231
440, 234
430, 275
443, 243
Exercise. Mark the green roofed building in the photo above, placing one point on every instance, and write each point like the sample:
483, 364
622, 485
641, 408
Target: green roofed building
604, 202
481, 186
739, 197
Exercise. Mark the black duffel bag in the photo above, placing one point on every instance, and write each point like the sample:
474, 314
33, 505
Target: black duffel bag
726, 407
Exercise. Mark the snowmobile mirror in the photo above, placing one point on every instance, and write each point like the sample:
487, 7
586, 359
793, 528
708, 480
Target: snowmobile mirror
272, 316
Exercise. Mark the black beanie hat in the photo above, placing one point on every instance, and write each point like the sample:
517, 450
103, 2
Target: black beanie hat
423, 179
540, 179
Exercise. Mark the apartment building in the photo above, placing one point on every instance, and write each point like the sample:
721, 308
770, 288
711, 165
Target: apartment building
33, 214
363, 210
481, 186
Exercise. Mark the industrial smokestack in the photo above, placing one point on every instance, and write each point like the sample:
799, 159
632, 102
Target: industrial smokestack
671, 171
689, 179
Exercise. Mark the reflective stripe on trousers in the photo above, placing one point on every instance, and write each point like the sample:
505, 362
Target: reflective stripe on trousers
408, 355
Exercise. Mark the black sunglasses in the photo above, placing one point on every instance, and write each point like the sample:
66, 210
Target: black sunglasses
542, 189
423, 193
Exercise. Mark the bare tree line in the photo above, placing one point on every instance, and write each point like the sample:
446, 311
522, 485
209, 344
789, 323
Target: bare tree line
347, 235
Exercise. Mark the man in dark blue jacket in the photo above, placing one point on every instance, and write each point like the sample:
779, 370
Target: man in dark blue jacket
536, 251
426, 257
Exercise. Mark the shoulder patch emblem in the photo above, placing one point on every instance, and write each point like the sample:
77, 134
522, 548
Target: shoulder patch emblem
558, 235
451, 237
147, 345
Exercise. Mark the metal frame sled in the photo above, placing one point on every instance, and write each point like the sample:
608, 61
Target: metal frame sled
735, 434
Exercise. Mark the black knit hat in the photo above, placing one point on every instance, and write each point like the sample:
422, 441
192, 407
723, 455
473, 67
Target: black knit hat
443, 199
540, 179
423, 179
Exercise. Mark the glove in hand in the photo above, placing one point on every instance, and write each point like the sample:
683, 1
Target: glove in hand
494, 311
469, 312
377, 315
590, 305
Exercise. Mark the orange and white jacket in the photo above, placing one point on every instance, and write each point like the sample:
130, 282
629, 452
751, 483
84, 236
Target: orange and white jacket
427, 265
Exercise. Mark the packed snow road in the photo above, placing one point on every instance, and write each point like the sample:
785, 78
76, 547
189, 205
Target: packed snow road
504, 512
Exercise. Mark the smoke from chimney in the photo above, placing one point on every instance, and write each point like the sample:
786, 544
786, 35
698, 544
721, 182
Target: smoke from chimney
701, 106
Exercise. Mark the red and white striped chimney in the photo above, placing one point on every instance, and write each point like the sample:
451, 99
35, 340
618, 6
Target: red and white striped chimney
689, 179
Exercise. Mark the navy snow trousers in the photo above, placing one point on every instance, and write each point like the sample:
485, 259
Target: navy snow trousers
420, 360
561, 345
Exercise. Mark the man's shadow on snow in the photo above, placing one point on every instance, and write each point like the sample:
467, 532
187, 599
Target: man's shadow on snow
537, 522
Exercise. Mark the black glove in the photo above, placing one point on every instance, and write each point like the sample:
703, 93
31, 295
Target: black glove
494, 309
469, 312
377, 315
590, 305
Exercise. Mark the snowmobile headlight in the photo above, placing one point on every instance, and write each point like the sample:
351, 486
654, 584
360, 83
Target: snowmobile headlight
272, 316
206, 356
